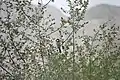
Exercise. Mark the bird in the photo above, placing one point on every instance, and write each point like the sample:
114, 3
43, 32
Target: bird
58, 43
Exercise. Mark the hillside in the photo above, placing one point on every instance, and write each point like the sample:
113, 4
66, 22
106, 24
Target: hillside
103, 11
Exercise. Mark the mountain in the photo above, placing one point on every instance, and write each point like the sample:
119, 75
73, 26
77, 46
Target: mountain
103, 11
100, 14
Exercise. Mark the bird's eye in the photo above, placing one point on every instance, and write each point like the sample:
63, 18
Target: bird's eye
57, 40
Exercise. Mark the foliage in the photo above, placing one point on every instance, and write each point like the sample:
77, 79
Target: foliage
27, 50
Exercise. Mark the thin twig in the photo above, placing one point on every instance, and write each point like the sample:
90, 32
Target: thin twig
54, 31
5, 70
47, 3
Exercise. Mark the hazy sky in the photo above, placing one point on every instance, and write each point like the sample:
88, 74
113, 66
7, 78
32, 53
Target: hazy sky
62, 3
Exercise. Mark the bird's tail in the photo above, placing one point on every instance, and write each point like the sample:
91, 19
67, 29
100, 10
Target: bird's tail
59, 49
